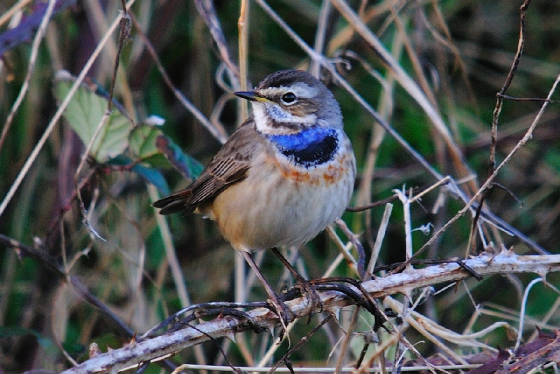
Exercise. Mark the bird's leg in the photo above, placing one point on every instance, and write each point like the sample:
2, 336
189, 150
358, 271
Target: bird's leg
305, 285
285, 314
335, 283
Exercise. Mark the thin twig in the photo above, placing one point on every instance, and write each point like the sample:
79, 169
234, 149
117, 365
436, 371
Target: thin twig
314, 370
489, 181
30, 68
50, 127
344, 250
385, 107
206, 10
442, 181
50, 263
243, 29
320, 35
175, 341
379, 239
123, 36
487, 215
216, 131
396, 306
496, 115
328, 273
13, 10
511, 73
522, 312
177, 274
438, 330
372, 205
404, 197
299, 344
406, 82
357, 244
346, 340
529, 99
414, 59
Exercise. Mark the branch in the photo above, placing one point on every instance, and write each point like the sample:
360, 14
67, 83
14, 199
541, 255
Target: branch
173, 342
54, 120
415, 92
81, 289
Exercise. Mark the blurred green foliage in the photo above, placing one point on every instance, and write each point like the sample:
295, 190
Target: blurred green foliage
129, 270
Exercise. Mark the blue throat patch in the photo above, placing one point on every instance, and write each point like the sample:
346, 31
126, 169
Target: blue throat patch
310, 147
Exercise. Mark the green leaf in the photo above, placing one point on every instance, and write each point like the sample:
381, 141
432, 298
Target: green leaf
148, 142
142, 141
84, 113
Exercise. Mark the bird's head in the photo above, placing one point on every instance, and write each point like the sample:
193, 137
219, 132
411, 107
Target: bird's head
289, 101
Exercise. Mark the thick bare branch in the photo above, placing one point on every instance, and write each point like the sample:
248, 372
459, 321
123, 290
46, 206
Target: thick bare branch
173, 342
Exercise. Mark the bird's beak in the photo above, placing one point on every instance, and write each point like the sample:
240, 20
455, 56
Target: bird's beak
251, 96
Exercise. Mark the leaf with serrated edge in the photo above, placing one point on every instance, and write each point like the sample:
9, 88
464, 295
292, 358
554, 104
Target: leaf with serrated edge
84, 113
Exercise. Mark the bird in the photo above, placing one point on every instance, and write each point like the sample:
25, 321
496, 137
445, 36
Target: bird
282, 177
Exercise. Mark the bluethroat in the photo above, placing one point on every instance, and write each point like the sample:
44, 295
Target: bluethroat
282, 176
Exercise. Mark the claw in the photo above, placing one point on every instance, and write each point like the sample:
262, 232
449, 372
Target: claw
364, 299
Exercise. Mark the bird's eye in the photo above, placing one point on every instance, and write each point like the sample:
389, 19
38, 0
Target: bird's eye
288, 98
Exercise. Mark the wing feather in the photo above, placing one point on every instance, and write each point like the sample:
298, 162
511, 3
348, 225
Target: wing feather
229, 166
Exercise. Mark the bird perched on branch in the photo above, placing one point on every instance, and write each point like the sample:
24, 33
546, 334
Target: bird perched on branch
282, 177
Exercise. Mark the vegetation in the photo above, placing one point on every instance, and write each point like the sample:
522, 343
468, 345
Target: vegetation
428, 89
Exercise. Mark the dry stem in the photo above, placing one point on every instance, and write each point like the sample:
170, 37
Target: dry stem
170, 343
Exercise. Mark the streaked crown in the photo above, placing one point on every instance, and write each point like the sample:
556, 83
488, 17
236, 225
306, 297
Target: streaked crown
289, 101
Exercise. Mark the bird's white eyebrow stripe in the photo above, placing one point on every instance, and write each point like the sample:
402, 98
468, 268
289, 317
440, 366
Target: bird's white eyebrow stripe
300, 89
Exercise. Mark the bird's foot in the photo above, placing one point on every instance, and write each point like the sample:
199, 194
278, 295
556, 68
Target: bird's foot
362, 298
306, 288
279, 307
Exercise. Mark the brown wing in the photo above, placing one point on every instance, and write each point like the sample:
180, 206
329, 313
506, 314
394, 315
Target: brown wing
228, 166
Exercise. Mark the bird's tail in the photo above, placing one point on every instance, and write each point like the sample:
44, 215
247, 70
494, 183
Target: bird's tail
178, 202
